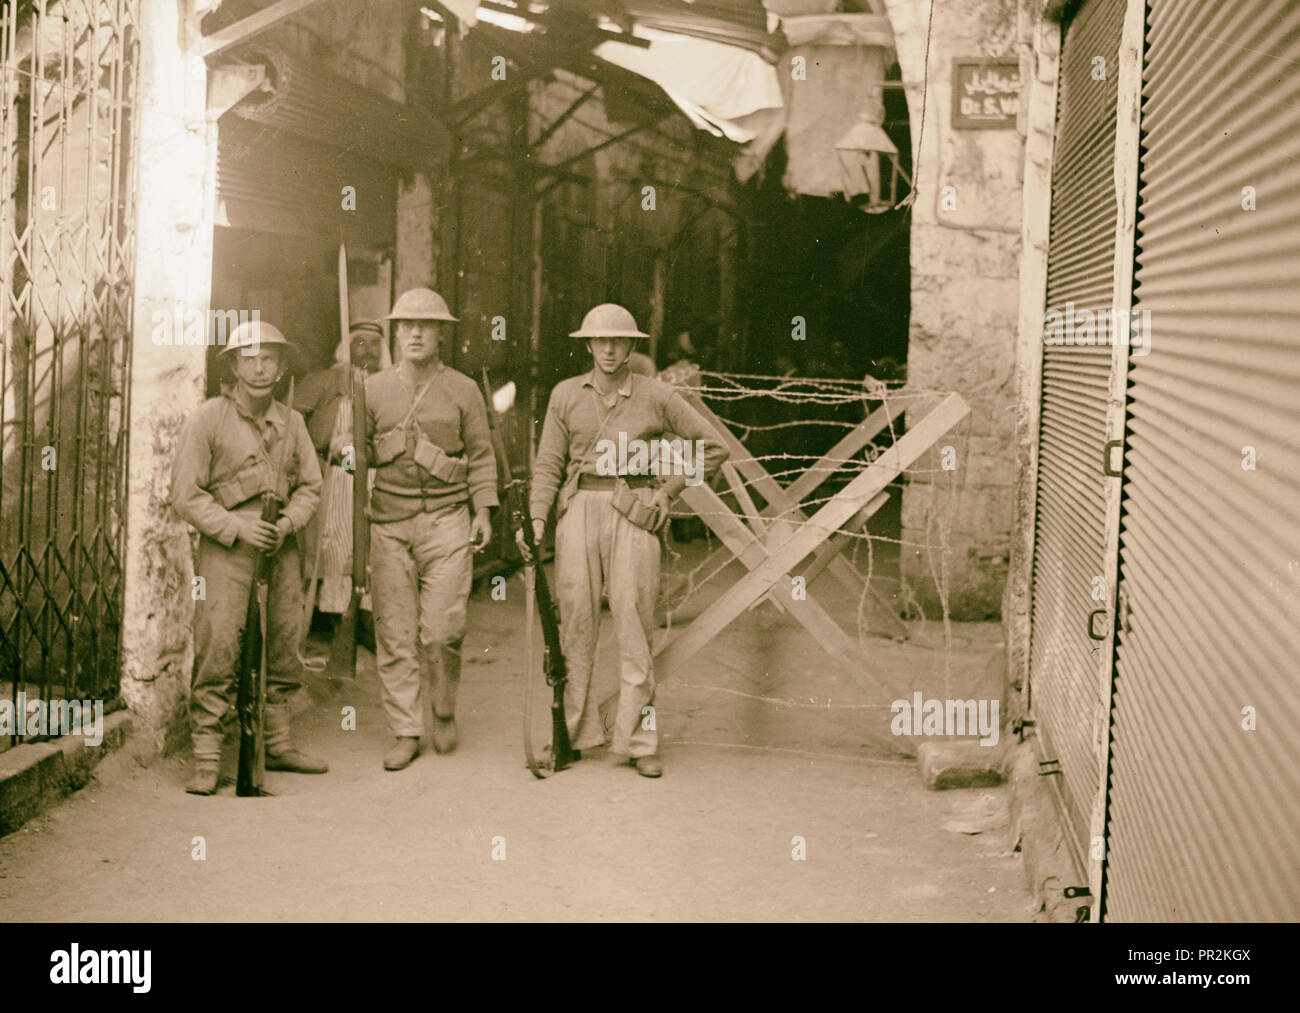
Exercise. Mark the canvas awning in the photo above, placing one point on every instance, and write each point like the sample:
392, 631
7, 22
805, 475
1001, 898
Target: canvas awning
728, 65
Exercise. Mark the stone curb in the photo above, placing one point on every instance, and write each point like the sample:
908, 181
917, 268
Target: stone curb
36, 776
1038, 835
961, 764
1036, 830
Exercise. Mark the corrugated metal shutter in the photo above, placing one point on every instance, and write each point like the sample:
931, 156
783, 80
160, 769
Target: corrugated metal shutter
1203, 819
1070, 537
308, 101
273, 181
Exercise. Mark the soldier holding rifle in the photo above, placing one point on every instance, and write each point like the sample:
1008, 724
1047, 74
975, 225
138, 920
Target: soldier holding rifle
234, 448
607, 533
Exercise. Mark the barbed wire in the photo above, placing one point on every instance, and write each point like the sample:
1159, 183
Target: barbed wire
890, 593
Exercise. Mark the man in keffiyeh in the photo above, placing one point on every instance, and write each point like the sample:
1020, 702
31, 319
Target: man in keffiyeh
320, 398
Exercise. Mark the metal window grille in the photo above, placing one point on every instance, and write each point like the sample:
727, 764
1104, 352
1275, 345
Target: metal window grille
67, 85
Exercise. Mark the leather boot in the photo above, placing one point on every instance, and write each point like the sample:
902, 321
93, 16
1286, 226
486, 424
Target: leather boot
648, 766
402, 752
444, 734
203, 781
280, 754
296, 761
444, 676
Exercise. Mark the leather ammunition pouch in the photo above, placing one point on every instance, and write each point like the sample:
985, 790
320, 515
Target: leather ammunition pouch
608, 483
248, 482
438, 463
429, 456
389, 446
628, 503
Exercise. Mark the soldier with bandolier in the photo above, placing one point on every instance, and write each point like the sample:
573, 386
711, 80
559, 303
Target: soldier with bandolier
432, 453
607, 533
234, 448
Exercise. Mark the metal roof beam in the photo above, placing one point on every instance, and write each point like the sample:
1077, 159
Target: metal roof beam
254, 24
470, 106
599, 147
563, 118
232, 82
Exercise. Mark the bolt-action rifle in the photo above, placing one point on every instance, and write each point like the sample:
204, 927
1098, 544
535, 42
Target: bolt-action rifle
553, 666
343, 653
251, 673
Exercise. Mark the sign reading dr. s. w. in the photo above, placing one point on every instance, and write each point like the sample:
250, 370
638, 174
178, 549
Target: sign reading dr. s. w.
985, 93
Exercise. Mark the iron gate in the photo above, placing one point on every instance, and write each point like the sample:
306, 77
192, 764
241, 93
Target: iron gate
67, 85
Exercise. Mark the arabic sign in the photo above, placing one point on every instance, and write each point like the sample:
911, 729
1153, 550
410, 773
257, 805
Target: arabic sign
985, 93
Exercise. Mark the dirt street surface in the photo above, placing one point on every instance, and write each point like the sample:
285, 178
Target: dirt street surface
769, 754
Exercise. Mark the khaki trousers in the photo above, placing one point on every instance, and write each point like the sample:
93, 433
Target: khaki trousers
597, 548
421, 571
218, 621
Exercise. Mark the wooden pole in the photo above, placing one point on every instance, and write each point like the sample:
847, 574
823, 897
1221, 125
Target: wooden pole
535, 347
657, 307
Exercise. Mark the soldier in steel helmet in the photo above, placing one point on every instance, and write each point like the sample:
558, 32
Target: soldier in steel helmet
230, 451
609, 522
431, 450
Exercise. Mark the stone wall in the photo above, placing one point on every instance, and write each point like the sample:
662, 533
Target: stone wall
417, 234
1041, 65
965, 265
173, 267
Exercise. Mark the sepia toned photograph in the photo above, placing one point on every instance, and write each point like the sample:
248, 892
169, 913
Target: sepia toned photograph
650, 461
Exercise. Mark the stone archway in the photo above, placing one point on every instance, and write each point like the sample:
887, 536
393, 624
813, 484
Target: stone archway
907, 21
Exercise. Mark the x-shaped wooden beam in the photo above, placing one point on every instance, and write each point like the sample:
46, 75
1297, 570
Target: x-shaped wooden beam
782, 511
770, 561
